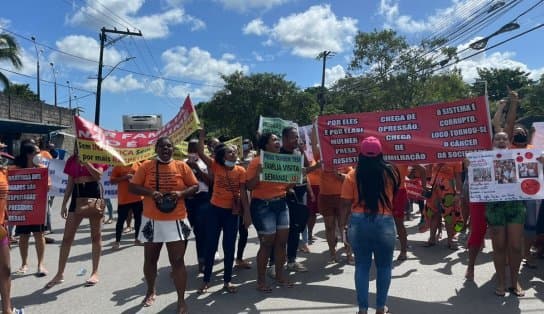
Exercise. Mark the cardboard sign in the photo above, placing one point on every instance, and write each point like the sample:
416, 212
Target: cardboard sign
283, 168
27, 196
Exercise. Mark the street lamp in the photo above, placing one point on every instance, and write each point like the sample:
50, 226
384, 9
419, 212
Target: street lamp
37, 66
55, 78
321, 95
99, 86
69, 95
482, 43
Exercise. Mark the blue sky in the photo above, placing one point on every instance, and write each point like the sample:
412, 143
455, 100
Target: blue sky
186, 44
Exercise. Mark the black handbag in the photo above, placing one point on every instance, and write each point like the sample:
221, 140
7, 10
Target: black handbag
168, 201
298, 213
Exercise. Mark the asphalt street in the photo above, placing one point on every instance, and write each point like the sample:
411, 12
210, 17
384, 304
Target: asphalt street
430, 281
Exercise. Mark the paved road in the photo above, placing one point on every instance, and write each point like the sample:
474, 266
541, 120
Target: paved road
430, 281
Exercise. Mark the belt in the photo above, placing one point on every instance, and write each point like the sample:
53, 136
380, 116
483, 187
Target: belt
274, 199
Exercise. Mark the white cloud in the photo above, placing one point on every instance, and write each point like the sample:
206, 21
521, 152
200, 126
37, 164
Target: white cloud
116, 84
256, 27
198, 64
97, 15
4, 22
334, 74
441, 19
248, 5
308, 33
498, 60
86, 48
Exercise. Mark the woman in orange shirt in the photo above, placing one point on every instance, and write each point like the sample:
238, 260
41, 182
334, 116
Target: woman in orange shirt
163, 182
269, 214
29, 158
369, 191
229, 183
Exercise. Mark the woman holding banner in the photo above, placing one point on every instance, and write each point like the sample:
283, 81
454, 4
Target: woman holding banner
228, 202
269, 214
29, 158
164, 183
83, 181
369, 191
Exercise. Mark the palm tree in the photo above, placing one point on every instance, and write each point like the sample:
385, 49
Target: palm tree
9, 50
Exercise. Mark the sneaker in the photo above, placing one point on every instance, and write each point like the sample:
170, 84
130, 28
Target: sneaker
17, 311
271, 272
296, 266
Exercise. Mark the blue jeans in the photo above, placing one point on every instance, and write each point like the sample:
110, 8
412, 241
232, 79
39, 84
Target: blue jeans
372, 234
218, 219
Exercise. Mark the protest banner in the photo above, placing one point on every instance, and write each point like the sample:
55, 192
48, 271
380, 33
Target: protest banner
27, 196
98, 145
537, 139
305, 135
440, 132
180, 150
505, 175
283, 168
59, 180
274, 125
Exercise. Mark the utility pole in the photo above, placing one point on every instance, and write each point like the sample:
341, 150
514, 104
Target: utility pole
103, 39
55, 77
321, 94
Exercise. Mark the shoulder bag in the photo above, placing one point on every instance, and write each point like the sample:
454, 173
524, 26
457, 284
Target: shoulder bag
428, 192
168, 202
88, 207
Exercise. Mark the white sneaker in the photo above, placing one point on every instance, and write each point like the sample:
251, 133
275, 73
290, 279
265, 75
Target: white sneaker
272, 272
295, 266
18, 311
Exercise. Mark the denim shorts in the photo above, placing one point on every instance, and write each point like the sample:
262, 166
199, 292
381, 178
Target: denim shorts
269, 215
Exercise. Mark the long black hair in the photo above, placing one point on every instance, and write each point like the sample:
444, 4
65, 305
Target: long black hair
263, 140
219, 153
373, 176
21, 161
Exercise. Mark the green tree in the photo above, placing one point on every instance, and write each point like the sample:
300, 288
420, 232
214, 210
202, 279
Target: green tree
21, 91
9, 50
244, 98
499, 80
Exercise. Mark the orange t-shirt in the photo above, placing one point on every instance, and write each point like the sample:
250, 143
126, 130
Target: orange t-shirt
3, 195
123, 195
314, 176
403, 172
350, 192
45, 154
226, 184
174, 176
264, 190
330, 183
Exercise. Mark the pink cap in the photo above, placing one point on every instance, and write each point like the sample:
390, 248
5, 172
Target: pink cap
370, 147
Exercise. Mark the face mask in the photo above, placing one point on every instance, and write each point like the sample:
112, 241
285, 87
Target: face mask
191, 156
37, 160
3, 162
164, 161
229, 163
245, 146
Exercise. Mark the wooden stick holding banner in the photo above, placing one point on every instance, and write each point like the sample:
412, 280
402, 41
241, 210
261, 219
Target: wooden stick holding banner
282, 168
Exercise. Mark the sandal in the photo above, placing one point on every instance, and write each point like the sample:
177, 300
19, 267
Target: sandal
402, 257
517, 292
230, 288
429, 244
149, 300
22, 270
384, 311
285, 283
203, 289
53, 283
91, 282
264, 288
242, 264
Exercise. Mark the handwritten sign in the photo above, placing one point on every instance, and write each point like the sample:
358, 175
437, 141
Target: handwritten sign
27, 196
283, 168
505, 175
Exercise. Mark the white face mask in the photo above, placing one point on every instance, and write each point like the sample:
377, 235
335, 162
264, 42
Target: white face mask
164, 161
229, 163
37, 160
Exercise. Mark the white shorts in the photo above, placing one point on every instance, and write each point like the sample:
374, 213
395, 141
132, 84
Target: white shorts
162, 231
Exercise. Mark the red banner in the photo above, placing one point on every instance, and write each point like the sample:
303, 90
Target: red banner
27, 196
102, 146
434, 133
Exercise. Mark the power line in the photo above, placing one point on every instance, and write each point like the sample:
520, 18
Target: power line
45, 81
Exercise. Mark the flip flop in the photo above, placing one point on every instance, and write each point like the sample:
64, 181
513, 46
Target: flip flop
41, 274
203, 289
21, 271
429, 244
53, 283
230, 289
286, 284
149, 300
517, 292
91, 283
500, 292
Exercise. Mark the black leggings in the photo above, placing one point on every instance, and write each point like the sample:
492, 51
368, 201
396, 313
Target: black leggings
242, 238
122, 214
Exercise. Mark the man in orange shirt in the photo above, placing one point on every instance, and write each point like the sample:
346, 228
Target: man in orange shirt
126, 201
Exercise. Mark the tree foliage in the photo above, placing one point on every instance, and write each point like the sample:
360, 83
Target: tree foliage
21, 91
9, 51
